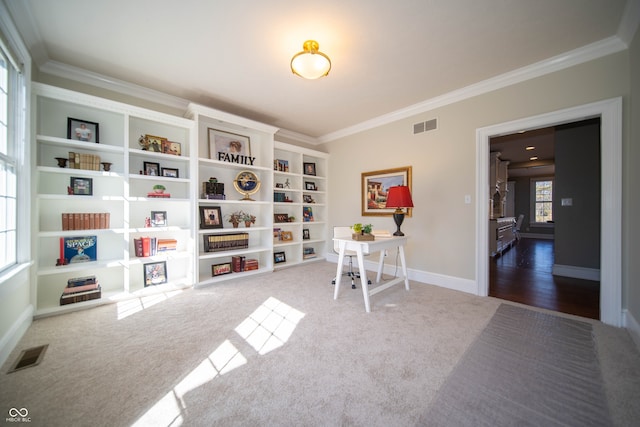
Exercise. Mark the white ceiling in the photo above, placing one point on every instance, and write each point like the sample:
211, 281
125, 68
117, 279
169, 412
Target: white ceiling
387, 56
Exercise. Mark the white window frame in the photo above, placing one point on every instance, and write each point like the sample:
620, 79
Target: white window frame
532, 201
19, 148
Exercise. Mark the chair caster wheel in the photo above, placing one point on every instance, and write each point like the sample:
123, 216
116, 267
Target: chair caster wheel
333, 282
369, 282
353, 286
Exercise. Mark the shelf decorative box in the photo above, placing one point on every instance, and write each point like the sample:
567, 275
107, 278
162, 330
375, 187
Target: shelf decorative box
363, 237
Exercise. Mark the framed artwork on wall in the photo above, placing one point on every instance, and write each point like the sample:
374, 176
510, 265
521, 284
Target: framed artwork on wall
375, 186
82, 130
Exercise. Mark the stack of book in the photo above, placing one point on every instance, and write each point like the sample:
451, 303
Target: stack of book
156, 195
85, 221
225, 242
308, 253
241, 263
81, 289
164, 245
84, 161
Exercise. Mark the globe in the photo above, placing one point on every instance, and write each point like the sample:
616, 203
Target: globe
246, 183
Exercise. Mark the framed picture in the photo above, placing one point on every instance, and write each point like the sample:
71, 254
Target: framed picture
309, 168
307, 198
281, 217
210, 217
154, 143
310, 186
227, 143
279, 257
375, 186
306, 234
82, 130
151, 168
155, 273
159, 218
307, 214
171, 172
286, 236
219, 269
170, 147
81, 186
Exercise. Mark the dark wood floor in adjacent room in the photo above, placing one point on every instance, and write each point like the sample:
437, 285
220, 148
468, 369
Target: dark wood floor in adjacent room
523, 274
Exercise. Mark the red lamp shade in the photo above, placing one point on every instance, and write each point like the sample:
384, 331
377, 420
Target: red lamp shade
399, 197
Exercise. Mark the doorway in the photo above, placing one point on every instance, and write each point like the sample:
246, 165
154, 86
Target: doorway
610, 113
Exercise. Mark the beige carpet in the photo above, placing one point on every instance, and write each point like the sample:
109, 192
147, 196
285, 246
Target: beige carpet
270, 350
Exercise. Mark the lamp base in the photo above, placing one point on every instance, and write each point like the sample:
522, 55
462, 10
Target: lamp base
398, 217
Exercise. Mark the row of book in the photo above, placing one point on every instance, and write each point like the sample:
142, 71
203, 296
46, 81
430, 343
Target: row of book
225, 242
80, 289
241, 263
85, 220
84, 161
150, 246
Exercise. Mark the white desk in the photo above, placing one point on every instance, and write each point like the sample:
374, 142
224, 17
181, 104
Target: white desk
368, 247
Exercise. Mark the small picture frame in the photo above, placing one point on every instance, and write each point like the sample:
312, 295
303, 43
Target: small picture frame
281, 217
151, 168
170, 147
306, 234
223, 144
154, 143
279, 257
279, 185
171, 172
220, 269
81, 186
286, 236
155, 273
159, 218
210, 217
82, 130
310, 186
306, 198
309, 168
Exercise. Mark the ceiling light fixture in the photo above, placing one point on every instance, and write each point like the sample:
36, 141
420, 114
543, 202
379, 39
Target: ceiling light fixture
533, 158
310, 64
530, 147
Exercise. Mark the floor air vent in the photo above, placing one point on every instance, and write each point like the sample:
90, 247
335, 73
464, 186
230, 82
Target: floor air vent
29, 357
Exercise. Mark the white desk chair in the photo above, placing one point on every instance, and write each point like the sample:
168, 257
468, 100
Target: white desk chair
519, 226
345, 232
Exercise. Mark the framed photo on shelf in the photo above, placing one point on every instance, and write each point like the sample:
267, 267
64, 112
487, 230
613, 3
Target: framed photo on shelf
227, 143
310, 186
281, 217
375, 186
279, 257
155, 273
309, 168
154, 143
210, 217
286, 236
220, 269
82, 130
306, 234
307, 198
151, 168
81, 186
307, 214
171, 172
170, 147
159, 218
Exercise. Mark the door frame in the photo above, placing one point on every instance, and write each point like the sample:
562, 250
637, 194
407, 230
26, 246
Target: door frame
610, 113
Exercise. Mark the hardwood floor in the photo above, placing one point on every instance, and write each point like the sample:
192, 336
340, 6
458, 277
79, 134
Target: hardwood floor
523, 274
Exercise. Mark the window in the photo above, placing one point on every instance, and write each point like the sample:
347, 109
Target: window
542, 200
12, 103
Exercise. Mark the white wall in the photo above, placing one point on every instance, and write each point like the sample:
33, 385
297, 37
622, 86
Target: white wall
442, 229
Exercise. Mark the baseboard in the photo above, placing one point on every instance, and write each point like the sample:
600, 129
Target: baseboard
632, 326
537, 236
576, 272
15, 333
441, 280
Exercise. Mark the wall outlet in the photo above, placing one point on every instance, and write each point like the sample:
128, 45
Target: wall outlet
467, 199
566, 202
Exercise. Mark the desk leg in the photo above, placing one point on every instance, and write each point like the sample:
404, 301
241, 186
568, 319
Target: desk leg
404, 267
380, 267
363, 279
339, 269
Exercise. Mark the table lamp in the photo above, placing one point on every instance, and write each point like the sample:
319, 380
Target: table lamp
399, 197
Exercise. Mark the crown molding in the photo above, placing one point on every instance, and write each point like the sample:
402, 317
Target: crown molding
120, 86
296, 136
578, 56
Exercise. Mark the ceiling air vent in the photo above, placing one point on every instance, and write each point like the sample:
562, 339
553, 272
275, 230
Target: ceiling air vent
425, 126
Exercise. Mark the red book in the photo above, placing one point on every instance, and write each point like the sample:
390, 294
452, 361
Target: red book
146, 246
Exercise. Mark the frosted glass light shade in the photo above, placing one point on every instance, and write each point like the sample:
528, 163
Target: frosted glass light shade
310, 63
